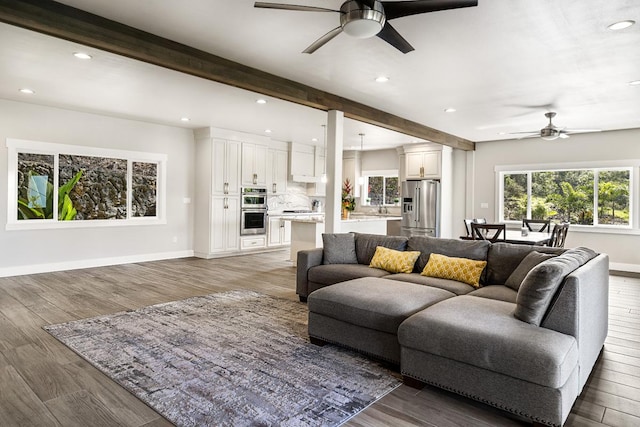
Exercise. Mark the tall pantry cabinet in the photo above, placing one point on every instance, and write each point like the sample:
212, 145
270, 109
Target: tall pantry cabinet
217, 193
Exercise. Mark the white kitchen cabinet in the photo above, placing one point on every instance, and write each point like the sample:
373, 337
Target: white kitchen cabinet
254, 164
217, 193
423, 164
224, 167
279, 231
277, 165
303, 162
225, 224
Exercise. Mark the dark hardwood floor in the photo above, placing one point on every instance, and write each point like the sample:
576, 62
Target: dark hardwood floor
42, 383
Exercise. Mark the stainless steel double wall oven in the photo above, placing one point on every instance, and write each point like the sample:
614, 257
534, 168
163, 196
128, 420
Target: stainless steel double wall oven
253, 210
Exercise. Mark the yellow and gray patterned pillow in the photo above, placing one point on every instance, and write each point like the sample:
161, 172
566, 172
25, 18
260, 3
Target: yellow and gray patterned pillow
461, 269
394, 261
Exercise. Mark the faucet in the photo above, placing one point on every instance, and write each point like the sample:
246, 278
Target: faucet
382, 209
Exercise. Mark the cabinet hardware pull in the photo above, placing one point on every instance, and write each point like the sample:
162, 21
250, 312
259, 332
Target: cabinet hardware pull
255, 178
226, 188
275, 186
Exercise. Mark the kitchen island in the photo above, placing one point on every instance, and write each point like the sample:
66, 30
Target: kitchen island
306, 233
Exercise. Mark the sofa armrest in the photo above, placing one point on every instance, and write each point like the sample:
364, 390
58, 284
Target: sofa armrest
581, 309
306, 259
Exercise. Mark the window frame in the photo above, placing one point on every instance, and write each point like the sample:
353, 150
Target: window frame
15, 146
387, 173
632, 165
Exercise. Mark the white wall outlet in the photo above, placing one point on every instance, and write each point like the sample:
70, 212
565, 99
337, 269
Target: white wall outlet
175, 239
484, 205
186, 200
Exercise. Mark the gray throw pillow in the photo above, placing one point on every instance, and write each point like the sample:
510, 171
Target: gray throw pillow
339, 248
543, 281
531, 260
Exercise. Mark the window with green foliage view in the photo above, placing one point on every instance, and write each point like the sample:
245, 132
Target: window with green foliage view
382, 190
581, 196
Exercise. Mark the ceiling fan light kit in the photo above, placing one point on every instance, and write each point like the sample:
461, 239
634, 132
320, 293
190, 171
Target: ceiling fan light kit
361, 21
551, 132
367, 18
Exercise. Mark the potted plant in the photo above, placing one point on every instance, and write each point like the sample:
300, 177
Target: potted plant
348, 200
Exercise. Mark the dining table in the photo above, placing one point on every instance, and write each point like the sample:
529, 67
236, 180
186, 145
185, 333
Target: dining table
515, 236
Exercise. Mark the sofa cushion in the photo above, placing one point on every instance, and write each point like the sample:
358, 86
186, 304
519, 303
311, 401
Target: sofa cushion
542, 282
454, 286
482, 332
532, 259
339, 248
461, 269
394, 261
366, 245
374, 303
334, 273
504, 258
472, 249
498, 292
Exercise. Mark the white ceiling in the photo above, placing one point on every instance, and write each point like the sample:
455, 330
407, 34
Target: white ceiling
501, 65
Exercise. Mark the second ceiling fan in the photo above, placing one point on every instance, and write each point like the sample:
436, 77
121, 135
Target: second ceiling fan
368, 18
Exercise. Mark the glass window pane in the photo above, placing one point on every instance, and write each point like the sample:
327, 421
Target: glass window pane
613, 197
569, 196
144, 181
515, 196
391, 192
35, 186
92, 188
375, 190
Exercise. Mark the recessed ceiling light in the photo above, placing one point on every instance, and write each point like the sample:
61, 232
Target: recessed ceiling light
382, 79
82, 55
314, 139
261, 101
621, 25
185, 119
267, 131
449, 110
27, 91
635, 83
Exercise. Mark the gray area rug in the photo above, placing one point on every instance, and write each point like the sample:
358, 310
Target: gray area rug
237, 358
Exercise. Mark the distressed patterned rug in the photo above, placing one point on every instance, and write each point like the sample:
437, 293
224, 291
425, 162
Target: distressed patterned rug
237, 358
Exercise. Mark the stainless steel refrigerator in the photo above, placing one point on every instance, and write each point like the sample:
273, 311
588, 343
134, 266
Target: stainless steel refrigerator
421, 208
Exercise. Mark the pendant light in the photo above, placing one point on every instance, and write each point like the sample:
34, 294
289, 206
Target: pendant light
323, 178
361, 178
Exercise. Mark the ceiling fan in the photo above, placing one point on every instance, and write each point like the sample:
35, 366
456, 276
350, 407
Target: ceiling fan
551, 132
368, 18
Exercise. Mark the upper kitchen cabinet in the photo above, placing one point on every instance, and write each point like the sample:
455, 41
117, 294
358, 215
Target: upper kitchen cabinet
303, 162
225, 167
422, 162
277, 168
254, 164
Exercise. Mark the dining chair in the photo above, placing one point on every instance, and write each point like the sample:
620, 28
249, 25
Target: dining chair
491, 232
468, 221
539, 225
559, 235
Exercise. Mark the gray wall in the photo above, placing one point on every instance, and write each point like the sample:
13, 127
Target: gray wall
28, 251
622, 246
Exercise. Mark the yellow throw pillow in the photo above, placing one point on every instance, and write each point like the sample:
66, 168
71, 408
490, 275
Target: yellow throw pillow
461, 269
394, 261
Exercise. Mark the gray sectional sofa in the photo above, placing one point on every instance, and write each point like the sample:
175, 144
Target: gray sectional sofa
525, 340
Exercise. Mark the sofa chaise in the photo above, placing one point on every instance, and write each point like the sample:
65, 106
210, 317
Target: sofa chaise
522, 334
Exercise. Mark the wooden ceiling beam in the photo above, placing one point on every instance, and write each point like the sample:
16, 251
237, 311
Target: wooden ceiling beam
65, 22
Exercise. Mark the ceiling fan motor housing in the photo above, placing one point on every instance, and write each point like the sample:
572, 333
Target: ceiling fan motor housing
361, 21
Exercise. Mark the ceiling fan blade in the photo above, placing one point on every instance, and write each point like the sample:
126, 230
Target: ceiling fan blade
581, 130
563, 135
398, 9
530, 131
323, 40
295, 7
391, 36
531, 135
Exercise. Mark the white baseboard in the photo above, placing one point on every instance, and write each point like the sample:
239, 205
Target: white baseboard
90, 263
619, 266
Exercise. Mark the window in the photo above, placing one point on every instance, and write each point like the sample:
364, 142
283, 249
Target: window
53, 185
381, 190
591, 197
